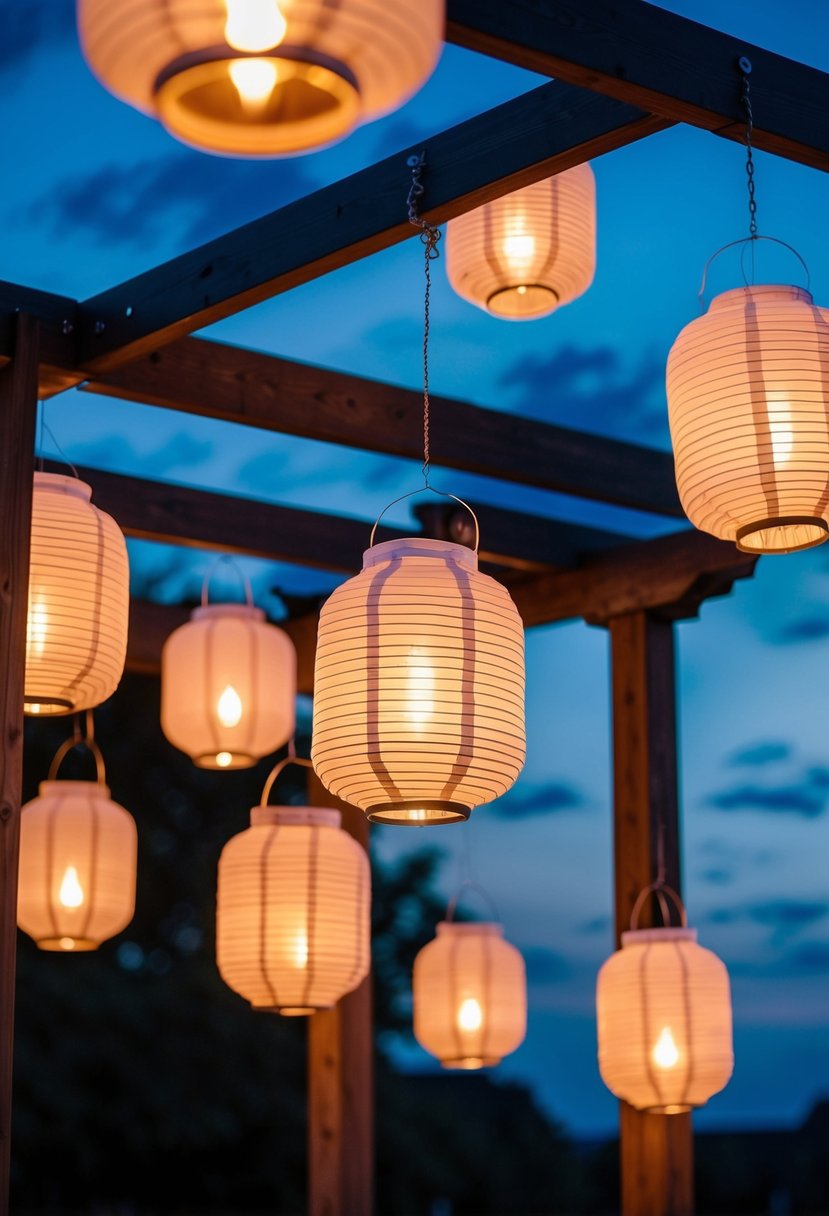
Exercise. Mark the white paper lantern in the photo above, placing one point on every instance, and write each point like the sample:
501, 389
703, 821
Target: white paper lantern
261, 77
748, 405
419, 685
663, 1007
470, 995
78, 600
293, 910
525, 254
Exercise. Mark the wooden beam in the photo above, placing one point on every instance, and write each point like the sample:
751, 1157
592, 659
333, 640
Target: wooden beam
641, 54
656, 1150
56, 317
225, 382
18, 409
521, 141
670, 575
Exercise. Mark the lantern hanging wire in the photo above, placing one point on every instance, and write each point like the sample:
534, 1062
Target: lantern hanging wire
291, 758
228, 559
82, 736
469, 884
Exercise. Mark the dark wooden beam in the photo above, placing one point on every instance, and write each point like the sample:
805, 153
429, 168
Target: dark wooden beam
669, 575
656, 1151
642, 54
18, 408
56, 317
524, 140
235, 385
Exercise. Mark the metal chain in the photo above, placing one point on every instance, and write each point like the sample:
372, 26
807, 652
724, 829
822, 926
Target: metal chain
745, 68
429, 235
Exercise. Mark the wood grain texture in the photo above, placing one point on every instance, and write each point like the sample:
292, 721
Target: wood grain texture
642, 54
216, 380
18, 411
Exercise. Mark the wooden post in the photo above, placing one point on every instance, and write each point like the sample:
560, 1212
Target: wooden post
656, 1151
18, 412
341, 1080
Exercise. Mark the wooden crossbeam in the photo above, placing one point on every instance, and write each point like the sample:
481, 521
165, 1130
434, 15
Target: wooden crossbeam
524, 140
217, 380
642, 54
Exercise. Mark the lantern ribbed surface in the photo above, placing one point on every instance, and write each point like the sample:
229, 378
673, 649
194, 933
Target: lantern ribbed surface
663, 1006
524, 255
293, 910
470, 995
78, 602
748, 405
228, 686
263, 78
78, 856
419, 685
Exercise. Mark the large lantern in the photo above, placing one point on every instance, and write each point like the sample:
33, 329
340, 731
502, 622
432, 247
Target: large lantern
228, 685
747, 404
78, 856
419, 685
470, 995
78, 606
525, 254
663, 1007
293, 909
262, 77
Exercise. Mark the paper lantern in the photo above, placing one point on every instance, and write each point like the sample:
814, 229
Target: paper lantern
78, 857
78, 607
470, 995
228, 686
663, 1006
748, 405
419, 685
261, 77
525, 254
293, 910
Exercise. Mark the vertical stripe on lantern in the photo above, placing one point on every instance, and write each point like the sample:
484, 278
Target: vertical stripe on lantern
374, 648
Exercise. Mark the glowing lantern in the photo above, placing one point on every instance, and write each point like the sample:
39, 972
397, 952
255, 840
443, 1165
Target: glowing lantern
78, 856
748, 405
663, 1006
261, 77
293, 909
419, 685
78, 608
524, 255
470, 995
228, 685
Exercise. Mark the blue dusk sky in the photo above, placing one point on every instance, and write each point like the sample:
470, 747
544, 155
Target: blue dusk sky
96, 192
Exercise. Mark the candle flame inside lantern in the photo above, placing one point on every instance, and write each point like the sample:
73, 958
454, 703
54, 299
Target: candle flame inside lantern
71, 891
254, 25
37, 628
470, 1015
420, 689
665, 1053
229, 707
300, 951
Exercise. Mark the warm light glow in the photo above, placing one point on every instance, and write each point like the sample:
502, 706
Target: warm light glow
254, 79
254, 25
780, 427
420, 688
223, 759
229, 707
470, 1016
665, 1053
300, 950
37, 628
519, 247
71, 891
67, 943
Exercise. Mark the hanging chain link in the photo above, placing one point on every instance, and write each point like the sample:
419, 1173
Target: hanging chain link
429, 235
745, 68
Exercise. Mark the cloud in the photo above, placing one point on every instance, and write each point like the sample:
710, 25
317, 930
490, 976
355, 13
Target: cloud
807, 795
28, 25
537, 800
759, 754
180, 451
783, 916
812, 628
545, 966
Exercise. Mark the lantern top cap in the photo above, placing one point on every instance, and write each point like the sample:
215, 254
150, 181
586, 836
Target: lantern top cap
668, 933
418, 546
767, 292
471, 928
248, 612
61, 483
295, 816
53, 789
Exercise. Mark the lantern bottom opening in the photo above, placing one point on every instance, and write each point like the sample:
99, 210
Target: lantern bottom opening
522, 301
418, 813
67, 945
472, 1062
295, 99
223, 761
291, 1011
786, 534
44, 707
675, 1109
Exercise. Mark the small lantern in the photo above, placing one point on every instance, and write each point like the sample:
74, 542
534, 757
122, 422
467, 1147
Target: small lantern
419, 685
470, 995
525, 254
293, 909
663, 1006
747, 405
262, 77
78, 606
78, 857
228, 685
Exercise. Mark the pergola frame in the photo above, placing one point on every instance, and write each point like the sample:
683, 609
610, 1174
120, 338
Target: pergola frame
621, 73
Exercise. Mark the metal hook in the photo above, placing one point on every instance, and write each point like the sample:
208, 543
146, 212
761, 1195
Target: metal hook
430, 489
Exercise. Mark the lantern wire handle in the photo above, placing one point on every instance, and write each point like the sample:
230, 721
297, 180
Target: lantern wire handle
747, 240
474, 886
226, 557
87, 740
660, 889
291, 758
430, 489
